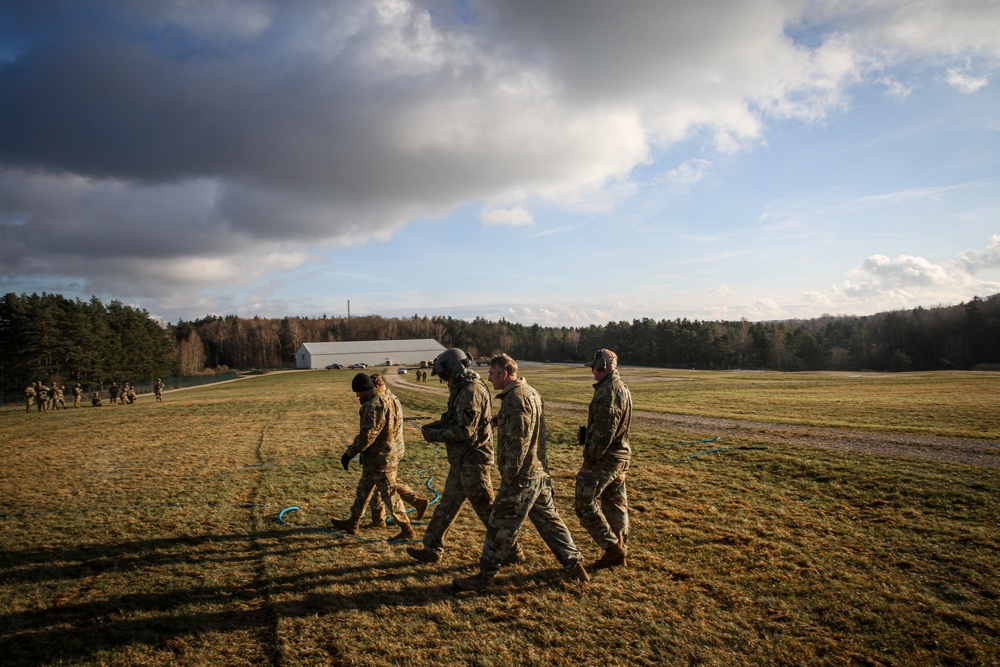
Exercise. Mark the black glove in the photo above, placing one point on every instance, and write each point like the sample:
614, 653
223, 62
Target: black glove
345, 460
431, 434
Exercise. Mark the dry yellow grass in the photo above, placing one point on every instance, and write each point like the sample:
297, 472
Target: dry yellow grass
148, 534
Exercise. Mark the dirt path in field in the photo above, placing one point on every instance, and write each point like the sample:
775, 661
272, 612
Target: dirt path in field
948, 450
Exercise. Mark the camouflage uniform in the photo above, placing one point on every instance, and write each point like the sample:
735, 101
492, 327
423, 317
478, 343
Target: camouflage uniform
406, 494
57, 393
606, 457
113, 392
29, 396
42, 397
380, 442
159, 390
465, 430
77, 392
525, 485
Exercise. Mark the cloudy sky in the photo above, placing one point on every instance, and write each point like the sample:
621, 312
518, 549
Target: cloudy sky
563, 162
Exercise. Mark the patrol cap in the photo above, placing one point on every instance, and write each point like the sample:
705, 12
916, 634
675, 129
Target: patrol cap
362, 382
603, 359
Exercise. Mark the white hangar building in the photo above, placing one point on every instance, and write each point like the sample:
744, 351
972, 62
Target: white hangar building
370, 352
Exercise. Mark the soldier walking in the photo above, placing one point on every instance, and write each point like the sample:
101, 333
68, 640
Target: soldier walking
465, 430
29, 396
57, 391
41, 396
606, 456
77, 392
380, 438
525, 484
405, 491
159, 390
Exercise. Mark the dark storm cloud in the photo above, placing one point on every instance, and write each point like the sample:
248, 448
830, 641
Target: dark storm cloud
168, 143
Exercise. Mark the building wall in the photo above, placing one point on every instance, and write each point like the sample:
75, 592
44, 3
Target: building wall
306, 359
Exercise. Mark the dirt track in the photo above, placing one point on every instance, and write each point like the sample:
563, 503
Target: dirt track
948, 450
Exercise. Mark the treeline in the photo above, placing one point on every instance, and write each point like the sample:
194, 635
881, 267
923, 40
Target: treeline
52, 338
966, 336
55, 339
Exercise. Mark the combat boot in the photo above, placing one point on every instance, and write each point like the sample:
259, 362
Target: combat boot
423, 555
577, 573
349, 526
405, 533
376, 523
476, 582
421, 506
515, 556
613, 557
623, 541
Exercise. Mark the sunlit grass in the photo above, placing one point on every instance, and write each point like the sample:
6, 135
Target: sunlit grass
147, 534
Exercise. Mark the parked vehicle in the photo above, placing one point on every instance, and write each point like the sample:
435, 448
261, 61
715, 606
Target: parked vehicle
358, 365
334, 367
401, 371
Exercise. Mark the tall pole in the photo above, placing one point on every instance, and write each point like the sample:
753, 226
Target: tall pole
348, 309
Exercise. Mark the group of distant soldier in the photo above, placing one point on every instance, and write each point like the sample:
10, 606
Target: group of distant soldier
123, 395
44, 398
421, 376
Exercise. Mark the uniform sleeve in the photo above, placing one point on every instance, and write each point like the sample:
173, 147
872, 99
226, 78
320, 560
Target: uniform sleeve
372, 420
517, 427
607, 414
463, 423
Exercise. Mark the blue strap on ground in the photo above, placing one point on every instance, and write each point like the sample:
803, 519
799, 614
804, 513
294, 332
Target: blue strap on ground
692, 442
722, 449
365, 540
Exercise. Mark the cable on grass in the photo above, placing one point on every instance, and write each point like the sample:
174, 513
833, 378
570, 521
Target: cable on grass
707, 451
722, 449
692, 442
335, 533
437, 496
389, 521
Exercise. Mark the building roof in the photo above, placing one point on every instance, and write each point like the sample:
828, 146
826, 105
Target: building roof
375, 346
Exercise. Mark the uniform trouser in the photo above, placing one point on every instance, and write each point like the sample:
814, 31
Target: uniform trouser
609, 520
384, 483
406, 494
515, 502
465, 481
30, 401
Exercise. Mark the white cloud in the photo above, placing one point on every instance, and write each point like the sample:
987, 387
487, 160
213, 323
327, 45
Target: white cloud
688, 173
973, 261
895, 88
909, 281
514, 217
964, 83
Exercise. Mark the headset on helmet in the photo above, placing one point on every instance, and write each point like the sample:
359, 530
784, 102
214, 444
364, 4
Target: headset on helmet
603, 358
451, 363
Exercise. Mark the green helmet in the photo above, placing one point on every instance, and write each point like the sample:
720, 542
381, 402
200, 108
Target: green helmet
450, 363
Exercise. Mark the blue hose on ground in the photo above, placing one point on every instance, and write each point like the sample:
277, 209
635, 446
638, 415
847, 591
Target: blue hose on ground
437, 497
722, 449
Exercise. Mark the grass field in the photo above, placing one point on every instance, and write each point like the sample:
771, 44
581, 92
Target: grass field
148, 534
